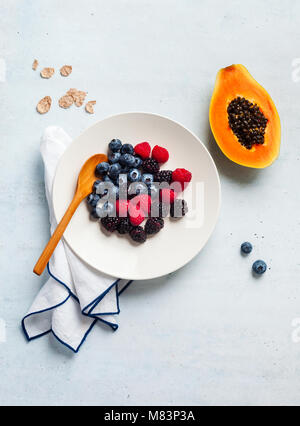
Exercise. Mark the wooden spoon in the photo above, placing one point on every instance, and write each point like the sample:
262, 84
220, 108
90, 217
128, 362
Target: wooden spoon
85, 182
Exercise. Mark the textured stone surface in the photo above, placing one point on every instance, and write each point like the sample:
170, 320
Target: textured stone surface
211, 333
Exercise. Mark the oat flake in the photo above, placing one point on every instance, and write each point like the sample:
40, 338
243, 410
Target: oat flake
66, 101
44, 105
90, 107
66, 70
47, 72
35, 65
78, 96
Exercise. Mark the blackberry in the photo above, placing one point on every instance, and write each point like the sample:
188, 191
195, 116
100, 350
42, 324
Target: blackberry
138, 234
164, 176
124, 225
154, 225
179, 208
159, 209
151, 166
110, 223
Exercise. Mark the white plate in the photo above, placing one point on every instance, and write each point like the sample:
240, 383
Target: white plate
181, 239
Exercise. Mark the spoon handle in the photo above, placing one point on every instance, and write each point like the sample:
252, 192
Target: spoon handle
57, 234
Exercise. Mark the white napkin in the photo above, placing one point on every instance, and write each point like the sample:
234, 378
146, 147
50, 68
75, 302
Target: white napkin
75, 296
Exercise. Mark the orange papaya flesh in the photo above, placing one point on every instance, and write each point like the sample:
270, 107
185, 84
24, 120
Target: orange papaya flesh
259, 145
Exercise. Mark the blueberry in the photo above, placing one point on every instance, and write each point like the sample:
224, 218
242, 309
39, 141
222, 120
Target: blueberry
115, 145
259, 267
114, 171
153, 191
147, 178
107, 179
114, 157
108, 208
100, 188
127, 160
127, 148
92, 200
246, 248
134, 175
102, 168
138, 162
137, 188
125, 170
96, 213
95, 185
122, 179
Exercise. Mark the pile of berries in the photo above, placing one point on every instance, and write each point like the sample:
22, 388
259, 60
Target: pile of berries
131, 189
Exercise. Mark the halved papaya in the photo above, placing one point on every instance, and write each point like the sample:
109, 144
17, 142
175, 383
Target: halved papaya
244, 119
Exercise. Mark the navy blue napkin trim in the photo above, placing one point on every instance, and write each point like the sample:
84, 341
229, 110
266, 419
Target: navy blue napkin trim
84, 311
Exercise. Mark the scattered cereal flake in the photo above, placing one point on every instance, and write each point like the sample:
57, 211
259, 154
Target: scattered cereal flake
78, 96
44, 105
90, 107
47, 72
66, 101
66, 70
35, 64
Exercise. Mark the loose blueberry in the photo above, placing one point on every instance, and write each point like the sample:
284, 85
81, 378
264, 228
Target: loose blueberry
246, 247
147, 178
102, 168
137, 162
114, 171
114, 157
259, 267
127, 148
115, 145
134, 175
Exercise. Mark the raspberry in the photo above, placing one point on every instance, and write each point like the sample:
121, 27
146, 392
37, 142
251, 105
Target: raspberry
163, 176
143, 150
122, 207
179, 208
168, 196
160, 154
159, 209
143, 202
110, 223
138, 234
136, 215
181, 175
151, 166
124, 226
154, 225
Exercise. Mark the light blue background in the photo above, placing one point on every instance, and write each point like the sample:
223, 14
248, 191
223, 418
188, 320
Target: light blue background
211, 333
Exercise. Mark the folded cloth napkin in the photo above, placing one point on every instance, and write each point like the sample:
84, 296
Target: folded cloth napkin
75, 296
